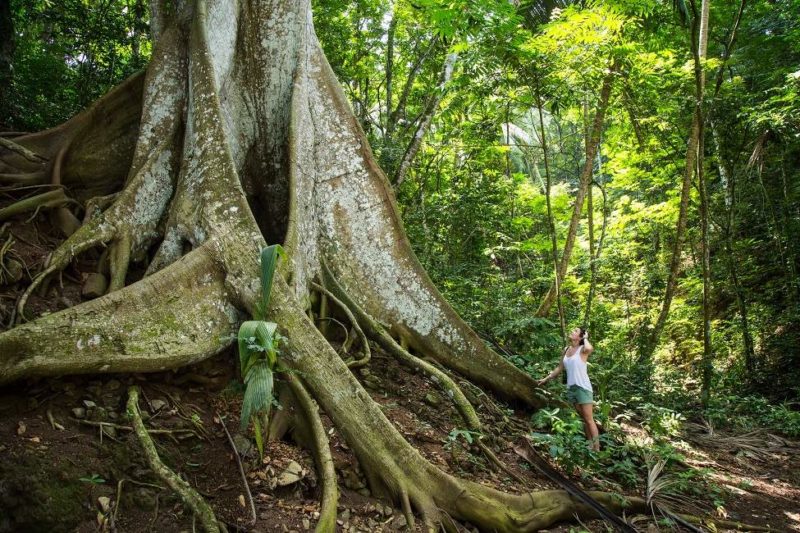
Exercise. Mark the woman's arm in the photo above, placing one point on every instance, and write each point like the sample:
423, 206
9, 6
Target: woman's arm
552, 374
587, 346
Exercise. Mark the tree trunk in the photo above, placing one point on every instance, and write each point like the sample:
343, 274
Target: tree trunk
7, 47
728, 180
583, 187
551, 226
390, 62
592, 262
708, 356
699, 39
425, 122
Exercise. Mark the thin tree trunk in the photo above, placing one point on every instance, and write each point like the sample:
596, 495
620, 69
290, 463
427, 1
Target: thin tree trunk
637, 127
508, 141
594, 255
551, 226
592, 271
7, 47
390, 63
789, 235
789, 226
425, 122
698, 41
729, 184
400, 109
583, 187
708, 356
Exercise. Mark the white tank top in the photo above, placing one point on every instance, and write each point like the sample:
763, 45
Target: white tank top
576, 370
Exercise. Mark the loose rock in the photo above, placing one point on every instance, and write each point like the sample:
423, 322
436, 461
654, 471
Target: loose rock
432, 399
292, 474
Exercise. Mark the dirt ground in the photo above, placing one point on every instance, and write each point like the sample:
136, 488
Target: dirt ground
68, 461
56, 467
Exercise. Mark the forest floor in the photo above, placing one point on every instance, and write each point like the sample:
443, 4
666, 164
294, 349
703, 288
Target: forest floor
56, 467
62, 471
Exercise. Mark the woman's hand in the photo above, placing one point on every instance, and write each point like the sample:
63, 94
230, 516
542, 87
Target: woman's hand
541, 382
588, 348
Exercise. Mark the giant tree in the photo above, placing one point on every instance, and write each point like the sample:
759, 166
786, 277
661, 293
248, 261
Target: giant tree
238, 135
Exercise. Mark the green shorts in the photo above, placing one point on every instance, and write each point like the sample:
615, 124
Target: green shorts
577, 394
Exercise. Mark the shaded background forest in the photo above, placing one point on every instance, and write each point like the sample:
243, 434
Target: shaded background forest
482, 114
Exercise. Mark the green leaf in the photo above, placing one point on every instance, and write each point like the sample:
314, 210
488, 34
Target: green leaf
247, 331
269, 261
258, 391
259, 437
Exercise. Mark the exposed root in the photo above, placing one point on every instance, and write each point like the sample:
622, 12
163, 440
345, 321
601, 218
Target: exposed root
30, 155
392, 465
366, 354
24, 178
406, 506
322, 455
85, 238
120, 427
377, 333
253, 516
183, 489
58, 163
12, 266
120, 257
63, 219
95, 206
497, 463
173, 318
54, 198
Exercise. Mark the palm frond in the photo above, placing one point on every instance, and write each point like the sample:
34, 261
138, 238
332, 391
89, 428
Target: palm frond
257, 393
269, 261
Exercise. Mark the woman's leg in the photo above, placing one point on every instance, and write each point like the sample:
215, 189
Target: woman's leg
579, 409
589, 427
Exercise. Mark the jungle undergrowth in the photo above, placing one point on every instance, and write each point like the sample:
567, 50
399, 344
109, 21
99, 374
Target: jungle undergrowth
632, 442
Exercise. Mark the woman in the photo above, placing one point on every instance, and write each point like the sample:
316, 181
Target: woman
579, 388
